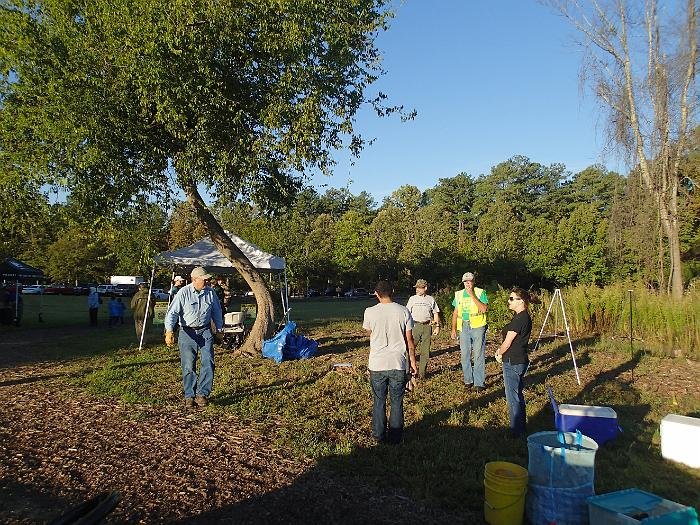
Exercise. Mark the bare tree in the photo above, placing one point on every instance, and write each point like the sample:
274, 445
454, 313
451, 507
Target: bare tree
641, 63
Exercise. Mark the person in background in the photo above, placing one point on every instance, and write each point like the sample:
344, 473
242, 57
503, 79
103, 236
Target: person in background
194, 308
469, 319
122, 309
114, 312
142, 304
425, 312
220, 291
390, 343
93, 305
512, 354
178, 283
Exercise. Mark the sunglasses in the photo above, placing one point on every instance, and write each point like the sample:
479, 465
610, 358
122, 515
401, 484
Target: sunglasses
514, 299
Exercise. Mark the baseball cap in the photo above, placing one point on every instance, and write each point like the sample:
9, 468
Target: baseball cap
421, 283
469, 276
200, 273
178, 278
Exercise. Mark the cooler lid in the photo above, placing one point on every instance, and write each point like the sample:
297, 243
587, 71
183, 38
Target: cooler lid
627, 501
586, 410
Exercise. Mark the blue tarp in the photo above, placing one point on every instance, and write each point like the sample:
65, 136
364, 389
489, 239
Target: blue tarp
287, 345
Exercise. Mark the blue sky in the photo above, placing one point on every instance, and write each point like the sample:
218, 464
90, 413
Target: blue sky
490, 79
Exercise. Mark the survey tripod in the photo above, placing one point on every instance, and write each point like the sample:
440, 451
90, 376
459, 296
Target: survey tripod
557, 295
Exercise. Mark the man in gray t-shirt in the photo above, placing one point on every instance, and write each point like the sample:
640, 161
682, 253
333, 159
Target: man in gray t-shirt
390, 340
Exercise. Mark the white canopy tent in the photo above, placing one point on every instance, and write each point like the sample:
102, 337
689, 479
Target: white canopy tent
205, 253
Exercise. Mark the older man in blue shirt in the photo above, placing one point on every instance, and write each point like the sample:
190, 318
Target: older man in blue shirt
194, 308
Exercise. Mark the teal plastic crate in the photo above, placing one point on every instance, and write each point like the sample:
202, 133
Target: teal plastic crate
634, 506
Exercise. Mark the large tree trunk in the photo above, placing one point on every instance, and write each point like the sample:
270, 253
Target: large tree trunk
262, 328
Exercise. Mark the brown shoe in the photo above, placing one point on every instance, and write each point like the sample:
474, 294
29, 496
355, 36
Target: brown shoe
201, 401
189, 402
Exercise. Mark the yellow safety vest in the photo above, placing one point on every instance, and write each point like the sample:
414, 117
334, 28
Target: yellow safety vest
476, 320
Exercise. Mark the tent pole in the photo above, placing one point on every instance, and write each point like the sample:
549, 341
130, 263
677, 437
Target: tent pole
148, 304
286, 290
16, 301
172, 281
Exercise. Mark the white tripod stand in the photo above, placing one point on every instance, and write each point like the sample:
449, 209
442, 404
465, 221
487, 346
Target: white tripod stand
557, 294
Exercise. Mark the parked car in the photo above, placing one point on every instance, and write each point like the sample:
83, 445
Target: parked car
106, 289
312, 292
160, 294
82, 289
58, 289
10, 288
125, 290
33, 289
357, 292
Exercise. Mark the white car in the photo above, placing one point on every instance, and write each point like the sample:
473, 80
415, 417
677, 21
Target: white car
33, 289
160, 294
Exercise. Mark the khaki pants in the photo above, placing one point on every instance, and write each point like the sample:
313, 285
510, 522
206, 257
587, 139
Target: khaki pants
421, 336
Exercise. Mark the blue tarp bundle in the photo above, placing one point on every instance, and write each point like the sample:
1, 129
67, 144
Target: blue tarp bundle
287, 345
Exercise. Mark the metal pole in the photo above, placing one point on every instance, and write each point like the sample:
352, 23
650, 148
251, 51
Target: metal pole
631, 343
148, 304
537, 344
16, 301
566, 324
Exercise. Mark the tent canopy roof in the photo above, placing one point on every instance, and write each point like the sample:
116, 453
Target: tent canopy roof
204, 253
12, 268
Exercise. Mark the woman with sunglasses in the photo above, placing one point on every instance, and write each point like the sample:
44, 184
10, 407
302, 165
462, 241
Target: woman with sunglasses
513, 355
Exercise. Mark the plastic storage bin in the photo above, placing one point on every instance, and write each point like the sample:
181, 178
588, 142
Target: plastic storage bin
634, 507
598, 423
680, 436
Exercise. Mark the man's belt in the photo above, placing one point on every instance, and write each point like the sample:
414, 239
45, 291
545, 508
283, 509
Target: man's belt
196, 327
423, 322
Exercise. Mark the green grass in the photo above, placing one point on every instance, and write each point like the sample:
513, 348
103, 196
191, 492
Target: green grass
62, 310
451, 433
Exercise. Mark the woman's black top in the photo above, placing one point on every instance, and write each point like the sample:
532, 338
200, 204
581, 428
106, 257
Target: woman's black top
522, 325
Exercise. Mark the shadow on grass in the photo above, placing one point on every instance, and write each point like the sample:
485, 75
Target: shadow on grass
335, 347
230, 399
436, 474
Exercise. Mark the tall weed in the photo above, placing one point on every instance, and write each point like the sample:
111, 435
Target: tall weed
660, 324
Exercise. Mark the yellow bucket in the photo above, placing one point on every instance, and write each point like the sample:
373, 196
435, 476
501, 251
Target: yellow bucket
505, 485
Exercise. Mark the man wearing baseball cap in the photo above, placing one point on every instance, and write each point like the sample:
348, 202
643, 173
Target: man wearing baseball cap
425, 312
195, 307
178, 283
469, 319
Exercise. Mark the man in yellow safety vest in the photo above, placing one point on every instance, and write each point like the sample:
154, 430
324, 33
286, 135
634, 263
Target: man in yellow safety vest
469, 319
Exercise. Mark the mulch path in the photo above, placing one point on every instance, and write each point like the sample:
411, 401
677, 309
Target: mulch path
60, 447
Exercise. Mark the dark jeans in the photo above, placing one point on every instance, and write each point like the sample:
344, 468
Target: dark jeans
513, 382
93, 316
393, 381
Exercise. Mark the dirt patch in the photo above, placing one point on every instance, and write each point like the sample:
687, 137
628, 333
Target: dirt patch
58, 448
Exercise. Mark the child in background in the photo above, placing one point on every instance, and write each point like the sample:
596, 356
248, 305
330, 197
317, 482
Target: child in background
122, 309
114, 311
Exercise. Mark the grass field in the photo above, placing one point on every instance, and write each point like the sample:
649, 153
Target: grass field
325, 415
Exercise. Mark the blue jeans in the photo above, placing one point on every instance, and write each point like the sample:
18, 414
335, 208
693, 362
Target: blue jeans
393, 381
191, 343
472, 343
513, 382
